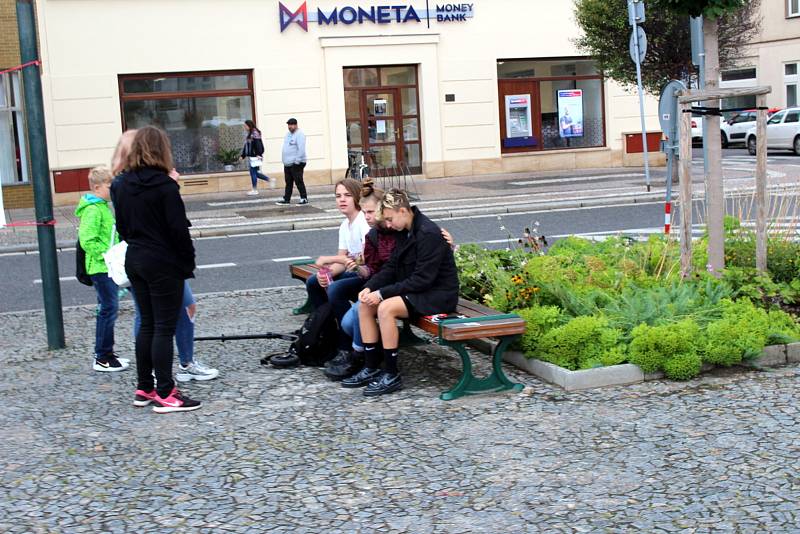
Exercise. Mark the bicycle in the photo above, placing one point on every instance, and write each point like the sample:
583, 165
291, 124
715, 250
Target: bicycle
358, 168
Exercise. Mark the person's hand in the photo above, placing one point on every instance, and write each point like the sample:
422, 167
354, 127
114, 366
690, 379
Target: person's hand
363, 294
323, 281
174, 174
351, 265
322, 261
372, 298
447, 237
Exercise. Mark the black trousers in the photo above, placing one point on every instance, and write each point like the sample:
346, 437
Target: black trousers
293, 174
159, 296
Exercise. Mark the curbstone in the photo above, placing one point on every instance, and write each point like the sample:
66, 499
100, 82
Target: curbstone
614, 375
793, 353
772, 356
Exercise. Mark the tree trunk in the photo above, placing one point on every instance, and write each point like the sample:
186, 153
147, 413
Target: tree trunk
715, 201
685, 188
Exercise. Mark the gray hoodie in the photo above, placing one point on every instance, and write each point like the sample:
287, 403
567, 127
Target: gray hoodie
294, 148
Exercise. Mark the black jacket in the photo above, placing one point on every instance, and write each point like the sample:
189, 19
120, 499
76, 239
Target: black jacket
252, 147
151, 218
422, 269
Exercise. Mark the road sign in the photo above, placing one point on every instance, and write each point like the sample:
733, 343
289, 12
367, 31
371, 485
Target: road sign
638, 32
635, 12
668, 111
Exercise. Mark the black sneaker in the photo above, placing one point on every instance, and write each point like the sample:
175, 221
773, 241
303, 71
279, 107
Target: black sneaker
174, 402
345, 363
283, 202
302, 202
109, 364
383, 384
361, 378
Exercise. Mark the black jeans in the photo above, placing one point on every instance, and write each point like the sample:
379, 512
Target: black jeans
159, 296
293, 174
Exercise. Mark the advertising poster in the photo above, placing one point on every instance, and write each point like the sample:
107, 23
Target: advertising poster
518, 116
570, 113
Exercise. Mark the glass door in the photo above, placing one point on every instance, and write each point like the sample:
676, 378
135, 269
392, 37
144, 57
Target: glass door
383, 141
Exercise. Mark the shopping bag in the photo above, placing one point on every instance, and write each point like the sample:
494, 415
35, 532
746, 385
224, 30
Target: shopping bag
115, 261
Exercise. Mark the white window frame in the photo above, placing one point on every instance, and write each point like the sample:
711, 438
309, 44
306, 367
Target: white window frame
792, 12
12, 89
791, 80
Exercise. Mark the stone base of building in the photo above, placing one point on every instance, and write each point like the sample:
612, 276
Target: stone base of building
17, 196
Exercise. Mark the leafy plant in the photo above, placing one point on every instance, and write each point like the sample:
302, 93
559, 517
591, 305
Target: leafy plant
580, 343
741, 333
683, 366
539, 320
652, 347
228, 157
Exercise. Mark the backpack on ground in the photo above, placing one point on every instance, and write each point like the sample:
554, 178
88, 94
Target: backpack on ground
316, 340
80, 265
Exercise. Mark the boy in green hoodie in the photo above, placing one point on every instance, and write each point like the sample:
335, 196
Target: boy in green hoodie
96, 234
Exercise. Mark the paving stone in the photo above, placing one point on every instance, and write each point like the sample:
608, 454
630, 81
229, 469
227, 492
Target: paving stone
287, 451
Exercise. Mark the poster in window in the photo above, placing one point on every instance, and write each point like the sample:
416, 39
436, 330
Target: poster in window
518, 116
570, 113
379, 107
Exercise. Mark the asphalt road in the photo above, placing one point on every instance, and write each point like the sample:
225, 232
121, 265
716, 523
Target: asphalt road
257, 261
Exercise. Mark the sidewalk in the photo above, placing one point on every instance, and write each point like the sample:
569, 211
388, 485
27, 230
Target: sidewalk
289, 452
236, 213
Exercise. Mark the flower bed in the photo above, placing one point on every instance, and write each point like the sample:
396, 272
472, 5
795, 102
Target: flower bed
593, 304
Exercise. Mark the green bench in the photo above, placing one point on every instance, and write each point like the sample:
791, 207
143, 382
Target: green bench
479, 322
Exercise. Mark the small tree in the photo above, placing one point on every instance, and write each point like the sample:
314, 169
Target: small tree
669, 56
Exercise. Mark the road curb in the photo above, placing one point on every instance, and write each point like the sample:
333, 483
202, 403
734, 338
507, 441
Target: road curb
333, 220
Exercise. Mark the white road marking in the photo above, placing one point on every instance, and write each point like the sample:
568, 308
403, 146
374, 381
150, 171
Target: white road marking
216, 265
296, 258
12, 254
61, 279
577, 179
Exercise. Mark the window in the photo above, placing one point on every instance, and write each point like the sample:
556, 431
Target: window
791, 117
202, 112
790, 80
739, 74
777, 118
793, 8
563, 98
13, 151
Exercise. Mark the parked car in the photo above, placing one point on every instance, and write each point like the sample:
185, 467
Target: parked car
697, 129
735, 128
783, 132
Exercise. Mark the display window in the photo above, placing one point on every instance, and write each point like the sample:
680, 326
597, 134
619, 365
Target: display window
13, 153
203, 113
550, 104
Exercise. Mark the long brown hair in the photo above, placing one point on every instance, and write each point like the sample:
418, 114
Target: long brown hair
150, 148
353, 187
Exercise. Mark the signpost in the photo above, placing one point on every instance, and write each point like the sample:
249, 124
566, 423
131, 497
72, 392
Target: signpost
638, 49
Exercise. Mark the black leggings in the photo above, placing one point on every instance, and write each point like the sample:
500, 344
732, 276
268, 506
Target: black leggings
159, 297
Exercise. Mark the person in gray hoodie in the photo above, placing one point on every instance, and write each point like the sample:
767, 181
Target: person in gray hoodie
293, 154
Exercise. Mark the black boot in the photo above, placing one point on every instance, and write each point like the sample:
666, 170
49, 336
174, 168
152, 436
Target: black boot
361, 378
383, 384
345, 363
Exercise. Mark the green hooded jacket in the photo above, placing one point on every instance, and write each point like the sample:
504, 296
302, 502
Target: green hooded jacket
94, 232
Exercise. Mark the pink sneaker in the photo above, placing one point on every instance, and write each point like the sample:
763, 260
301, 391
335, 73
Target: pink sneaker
143, 398
175, 402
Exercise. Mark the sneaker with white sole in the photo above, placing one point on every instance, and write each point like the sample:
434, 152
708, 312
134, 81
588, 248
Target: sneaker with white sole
143, 398
175, 402
109, 364
195, 371
282, 202
302, 202
252, 193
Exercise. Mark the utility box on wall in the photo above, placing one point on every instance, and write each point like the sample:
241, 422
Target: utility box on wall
633, 153
72, 180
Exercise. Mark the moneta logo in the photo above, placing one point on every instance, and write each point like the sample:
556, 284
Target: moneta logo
300, 16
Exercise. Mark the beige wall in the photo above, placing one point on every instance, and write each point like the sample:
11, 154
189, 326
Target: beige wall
88, 44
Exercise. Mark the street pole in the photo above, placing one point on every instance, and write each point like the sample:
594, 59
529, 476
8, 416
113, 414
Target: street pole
638, 48
40, 168
699, 59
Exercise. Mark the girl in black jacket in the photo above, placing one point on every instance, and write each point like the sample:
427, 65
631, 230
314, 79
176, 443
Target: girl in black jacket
253, 152
420, 278
151, 218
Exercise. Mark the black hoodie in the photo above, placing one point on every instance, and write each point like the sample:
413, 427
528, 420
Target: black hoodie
151, 218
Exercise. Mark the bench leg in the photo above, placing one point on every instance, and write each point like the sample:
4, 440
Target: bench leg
469, 384
304, 309
408, 338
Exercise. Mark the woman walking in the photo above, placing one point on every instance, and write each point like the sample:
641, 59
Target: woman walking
151, 218
253, 152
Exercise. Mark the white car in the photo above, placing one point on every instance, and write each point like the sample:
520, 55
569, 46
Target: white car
783, 132
735, 128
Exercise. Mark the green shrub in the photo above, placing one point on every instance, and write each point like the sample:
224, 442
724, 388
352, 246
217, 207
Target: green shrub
782, 328
538, 321
580, 343
741, 333
652, 346
683, 366
615, 356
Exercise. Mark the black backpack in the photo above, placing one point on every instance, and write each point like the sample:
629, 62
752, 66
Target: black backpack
80, 265
316, 341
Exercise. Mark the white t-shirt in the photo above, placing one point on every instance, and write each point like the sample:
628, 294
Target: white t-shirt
351, 235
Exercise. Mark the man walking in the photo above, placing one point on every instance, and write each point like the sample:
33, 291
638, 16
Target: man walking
294, 161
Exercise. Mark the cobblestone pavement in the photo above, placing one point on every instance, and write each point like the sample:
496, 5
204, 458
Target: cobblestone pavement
289, 452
